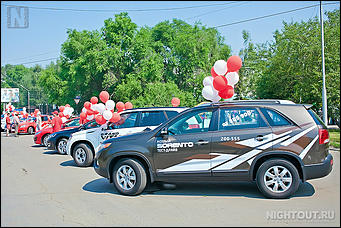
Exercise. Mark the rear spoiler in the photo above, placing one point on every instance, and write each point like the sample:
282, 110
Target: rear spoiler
307, 106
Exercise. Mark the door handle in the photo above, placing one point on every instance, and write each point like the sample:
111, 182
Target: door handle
202, 142
259, 138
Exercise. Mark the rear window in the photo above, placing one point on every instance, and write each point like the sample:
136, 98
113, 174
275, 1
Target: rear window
316, 118
171, 114
274, 118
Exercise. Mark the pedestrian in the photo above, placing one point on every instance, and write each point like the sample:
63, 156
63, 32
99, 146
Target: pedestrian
56, 122
38, 121
16, 121
8, 124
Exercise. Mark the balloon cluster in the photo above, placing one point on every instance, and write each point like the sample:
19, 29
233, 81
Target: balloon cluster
224, 78
103, 112
9, 107
65, 112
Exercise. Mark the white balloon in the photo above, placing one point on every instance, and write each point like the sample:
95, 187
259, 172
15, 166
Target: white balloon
64, 119
90, 117
66, 111
84, 109
94, 107
232, 78
220, 67
216, 98
110, 104
24, 109
71, 111
208, 81
209, 93
100, 107
107, 114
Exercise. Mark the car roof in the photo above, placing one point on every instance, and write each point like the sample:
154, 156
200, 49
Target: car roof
178, 109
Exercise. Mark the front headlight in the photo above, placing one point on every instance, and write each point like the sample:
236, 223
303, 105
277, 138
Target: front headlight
38, 133
52, 135
103, 146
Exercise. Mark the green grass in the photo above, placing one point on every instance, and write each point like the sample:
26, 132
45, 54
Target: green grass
334, 136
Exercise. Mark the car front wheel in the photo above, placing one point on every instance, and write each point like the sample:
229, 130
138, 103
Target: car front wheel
277, 178
129, 177
83, 155
61, 146
30, 130
45, 140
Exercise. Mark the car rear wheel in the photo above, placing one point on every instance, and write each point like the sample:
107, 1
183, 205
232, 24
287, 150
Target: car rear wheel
277, 178
129, 177
30, 130
45, 140
61, 145
83, 155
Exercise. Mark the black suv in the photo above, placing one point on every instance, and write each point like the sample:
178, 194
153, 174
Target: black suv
273, 142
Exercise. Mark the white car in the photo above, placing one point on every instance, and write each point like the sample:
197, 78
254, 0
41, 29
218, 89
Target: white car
83, 145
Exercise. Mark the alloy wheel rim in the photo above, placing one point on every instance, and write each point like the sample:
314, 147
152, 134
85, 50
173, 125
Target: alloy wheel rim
45, 140
80, 155
126, 177
62, 146
277, 179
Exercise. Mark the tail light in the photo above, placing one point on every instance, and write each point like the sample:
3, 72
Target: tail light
323, 136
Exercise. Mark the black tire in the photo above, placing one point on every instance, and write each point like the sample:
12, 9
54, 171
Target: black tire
290, 181
44, 140
140, 181
30, 130
83, 155
60, 143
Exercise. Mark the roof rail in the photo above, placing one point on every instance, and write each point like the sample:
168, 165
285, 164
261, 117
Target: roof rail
255, 101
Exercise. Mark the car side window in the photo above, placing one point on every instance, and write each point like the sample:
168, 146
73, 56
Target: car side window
152, 118
91, 124
72, 123
231, 119
127, 120
193, 122
171, 114
274, 118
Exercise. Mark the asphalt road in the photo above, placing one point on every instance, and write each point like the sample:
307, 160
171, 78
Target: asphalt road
42, 188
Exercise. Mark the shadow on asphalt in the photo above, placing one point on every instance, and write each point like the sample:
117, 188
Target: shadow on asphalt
236, 189
52, 152
37, 146
69, 163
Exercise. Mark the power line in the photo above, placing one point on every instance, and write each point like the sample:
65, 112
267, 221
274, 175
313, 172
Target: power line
106, 10
214, 11
32, 56
36, 61
270, 15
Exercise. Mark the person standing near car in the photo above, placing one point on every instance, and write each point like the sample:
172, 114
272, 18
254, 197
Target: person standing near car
16, 121
39, 121
56, 122
8, 124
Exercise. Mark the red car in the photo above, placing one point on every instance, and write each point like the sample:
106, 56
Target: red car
30, 125
41, 137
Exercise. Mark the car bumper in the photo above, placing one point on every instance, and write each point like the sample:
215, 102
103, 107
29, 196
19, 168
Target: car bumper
319, 170
99, 170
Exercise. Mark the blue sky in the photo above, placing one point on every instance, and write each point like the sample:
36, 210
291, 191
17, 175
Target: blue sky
47, 28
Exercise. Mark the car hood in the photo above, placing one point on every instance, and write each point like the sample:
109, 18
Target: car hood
133, 136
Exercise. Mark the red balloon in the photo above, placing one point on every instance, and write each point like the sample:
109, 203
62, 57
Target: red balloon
213, 73
175, 101
67, 105
128, 105
87, 105
100, 119
115, 117
234, 63
90, 112
219, 82
104, 96
36, 110
82, 116
61, 108
227, 92
94, 100
61, 114
120, 106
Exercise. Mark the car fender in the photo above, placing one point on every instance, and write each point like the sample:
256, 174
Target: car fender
277, 154
130, 153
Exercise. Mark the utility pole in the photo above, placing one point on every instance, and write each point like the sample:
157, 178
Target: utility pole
324, 91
